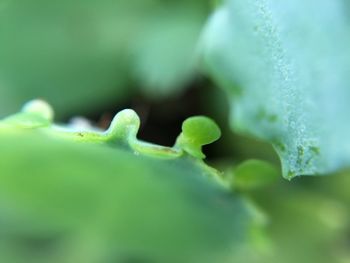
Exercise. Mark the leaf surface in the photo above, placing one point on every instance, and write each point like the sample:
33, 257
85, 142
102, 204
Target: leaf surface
285, 66
72, 195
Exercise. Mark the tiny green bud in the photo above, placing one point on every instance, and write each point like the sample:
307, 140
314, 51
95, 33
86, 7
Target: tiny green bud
196, 132
34, 114
39, 107
124, 125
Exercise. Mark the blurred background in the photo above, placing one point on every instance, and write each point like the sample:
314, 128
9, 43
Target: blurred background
84, 56
93, 58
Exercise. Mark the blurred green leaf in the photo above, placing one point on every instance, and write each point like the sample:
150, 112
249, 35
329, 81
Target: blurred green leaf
304, 225
286, 73
65, 200
81, 55
253, 174
165, 51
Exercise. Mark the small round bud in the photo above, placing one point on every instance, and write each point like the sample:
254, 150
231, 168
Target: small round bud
39, 107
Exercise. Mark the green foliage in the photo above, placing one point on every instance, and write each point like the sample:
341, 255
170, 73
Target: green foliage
286, 75
196, 132
72, 195
253, 174
84, 193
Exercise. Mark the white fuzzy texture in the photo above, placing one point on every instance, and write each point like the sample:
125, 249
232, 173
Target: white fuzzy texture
286, 66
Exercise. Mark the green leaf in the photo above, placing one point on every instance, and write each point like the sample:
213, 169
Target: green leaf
74, 195
285, 67
164, 52
253, 174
